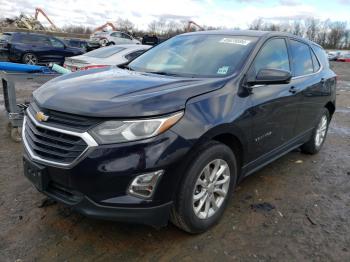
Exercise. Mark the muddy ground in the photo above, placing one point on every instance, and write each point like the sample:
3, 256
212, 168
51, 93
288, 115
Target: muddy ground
308, 218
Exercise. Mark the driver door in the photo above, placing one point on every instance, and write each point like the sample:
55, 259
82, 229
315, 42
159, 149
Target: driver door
274, 108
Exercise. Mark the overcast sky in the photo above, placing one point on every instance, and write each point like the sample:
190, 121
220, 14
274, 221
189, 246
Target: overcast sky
227, 13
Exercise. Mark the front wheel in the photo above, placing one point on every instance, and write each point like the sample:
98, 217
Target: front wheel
319, 134
30, 59
104, 42
206, 188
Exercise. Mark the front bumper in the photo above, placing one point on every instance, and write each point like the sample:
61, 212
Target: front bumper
154, 216
96, 185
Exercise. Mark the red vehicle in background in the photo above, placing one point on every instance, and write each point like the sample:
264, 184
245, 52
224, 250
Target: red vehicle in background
344, 58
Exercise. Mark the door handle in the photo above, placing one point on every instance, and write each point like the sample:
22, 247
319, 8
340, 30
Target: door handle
292, 90
323, 81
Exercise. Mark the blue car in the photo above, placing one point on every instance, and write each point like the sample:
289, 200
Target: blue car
169, 135
29, 48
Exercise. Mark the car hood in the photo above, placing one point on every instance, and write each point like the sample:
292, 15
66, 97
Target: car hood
120, 93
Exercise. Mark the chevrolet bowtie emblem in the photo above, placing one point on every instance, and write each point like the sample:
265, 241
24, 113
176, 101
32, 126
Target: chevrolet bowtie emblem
41, 117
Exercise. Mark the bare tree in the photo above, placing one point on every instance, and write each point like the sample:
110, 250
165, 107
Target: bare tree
336, 34
125, 25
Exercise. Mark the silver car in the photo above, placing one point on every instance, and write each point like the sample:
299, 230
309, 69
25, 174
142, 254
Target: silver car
105, 56
113, 38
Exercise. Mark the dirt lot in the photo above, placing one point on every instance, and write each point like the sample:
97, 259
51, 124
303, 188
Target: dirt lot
306, 218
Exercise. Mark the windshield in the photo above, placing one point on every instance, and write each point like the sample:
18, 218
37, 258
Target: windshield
196, 55
104, 52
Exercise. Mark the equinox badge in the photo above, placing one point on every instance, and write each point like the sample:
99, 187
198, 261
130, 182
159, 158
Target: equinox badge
41, 117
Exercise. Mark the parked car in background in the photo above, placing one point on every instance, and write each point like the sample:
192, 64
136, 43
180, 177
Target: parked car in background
171, 136
105, 56
332, 56
112, 38
30, 48
79, 43
344, 58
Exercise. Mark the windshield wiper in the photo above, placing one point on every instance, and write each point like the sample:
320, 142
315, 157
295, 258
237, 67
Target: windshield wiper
163, 73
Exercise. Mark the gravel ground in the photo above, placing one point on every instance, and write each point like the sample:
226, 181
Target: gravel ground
295, 209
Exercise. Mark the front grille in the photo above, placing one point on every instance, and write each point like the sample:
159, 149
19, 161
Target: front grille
53, 145
68, 121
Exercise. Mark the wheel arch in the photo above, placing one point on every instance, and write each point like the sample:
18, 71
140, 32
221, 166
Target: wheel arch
331, 107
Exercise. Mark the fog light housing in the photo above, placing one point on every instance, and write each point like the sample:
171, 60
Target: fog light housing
144, 185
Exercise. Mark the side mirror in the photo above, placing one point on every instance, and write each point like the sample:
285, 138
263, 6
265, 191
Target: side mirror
268, 76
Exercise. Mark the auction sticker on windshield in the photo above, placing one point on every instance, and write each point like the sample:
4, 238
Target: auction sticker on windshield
223, 70
235, 41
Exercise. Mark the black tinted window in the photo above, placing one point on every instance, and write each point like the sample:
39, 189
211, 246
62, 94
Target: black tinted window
35, 39
134, 54
321, 55
56, 43
126, 36
5, 36
302, 62
273, 55
315, 62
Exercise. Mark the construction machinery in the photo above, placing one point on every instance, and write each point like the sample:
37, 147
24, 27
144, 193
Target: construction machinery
189, 25
41, 11
102, 27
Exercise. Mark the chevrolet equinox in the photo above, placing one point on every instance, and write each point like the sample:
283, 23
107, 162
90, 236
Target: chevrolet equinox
169, 135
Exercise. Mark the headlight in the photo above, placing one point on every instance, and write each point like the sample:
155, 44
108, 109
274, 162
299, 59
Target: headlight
122, 131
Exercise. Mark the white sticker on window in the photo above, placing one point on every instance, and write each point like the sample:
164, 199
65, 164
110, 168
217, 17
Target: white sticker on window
235, 41
223, 70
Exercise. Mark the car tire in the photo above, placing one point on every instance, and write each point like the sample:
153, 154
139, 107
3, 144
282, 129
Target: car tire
195, 184
103, 42
30, 59
314, 145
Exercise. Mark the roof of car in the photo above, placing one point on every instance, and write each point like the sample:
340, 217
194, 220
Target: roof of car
253, 33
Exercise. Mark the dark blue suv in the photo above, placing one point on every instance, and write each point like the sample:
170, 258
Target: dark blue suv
169, 135
29, 48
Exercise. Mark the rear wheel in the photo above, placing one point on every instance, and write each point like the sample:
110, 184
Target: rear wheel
206, 189
319, 134
30, 59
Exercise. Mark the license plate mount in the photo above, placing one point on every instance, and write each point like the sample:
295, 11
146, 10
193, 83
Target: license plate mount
36, 174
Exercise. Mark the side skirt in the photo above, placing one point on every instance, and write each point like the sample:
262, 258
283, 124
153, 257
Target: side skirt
276, 153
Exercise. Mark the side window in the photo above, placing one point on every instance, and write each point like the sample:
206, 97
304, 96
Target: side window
43, 40
133, 55
302, 61
116, 34
126, 36
273, 55
315, 62
56, 43
321, 55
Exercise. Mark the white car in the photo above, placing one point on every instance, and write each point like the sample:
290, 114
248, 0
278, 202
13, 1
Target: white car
113, 38
105, 56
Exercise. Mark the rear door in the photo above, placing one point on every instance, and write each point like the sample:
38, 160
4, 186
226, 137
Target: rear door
58, 50
117, 38
274, 107
309, 84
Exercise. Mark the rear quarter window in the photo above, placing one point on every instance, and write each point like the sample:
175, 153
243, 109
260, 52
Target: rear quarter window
321, 55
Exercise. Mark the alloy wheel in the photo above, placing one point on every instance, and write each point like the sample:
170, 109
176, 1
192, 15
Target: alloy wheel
321, 131
30, 59
211, 188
